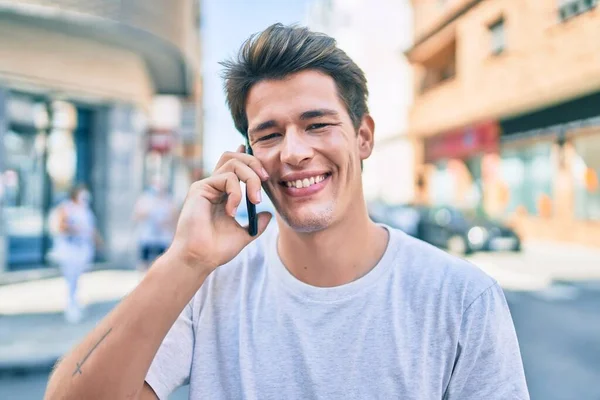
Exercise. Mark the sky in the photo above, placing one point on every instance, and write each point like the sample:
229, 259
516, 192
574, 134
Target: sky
225, 26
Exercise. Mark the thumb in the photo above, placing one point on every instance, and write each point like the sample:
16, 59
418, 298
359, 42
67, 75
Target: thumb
263, 221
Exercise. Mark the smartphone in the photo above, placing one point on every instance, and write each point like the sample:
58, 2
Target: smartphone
252, 220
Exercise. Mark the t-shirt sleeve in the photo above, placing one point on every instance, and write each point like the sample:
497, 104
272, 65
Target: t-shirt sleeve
171, 366
488, 364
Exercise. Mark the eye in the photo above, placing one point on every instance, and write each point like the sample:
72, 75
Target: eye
313, 127
267, 137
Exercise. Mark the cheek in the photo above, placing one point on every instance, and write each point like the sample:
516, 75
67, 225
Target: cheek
337, 146
267, 157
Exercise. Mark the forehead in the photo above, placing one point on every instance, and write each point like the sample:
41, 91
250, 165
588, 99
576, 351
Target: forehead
291, 96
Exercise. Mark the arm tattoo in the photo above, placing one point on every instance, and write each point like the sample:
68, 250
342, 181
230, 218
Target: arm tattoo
78, 369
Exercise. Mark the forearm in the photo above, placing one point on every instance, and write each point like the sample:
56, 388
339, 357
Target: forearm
112, 361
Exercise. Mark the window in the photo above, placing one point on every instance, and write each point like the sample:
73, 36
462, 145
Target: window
586, 174
571, 8
497, 36
439, 68
528, 175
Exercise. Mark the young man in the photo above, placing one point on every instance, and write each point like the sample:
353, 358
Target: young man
330, 305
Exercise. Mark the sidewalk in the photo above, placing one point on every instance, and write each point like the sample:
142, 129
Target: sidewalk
540, 264
33, 332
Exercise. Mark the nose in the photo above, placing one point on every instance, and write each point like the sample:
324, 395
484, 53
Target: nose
295, 148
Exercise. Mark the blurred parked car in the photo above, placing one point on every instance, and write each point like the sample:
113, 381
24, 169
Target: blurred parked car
459, 232
403, 217
463, 232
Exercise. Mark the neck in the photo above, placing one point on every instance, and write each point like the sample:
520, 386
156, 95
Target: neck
339, 254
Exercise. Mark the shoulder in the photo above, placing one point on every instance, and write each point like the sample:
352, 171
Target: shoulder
427, 269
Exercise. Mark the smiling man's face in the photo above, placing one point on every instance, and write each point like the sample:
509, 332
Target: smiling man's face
301, 132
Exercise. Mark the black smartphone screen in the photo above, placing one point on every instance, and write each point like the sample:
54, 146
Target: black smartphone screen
252, 220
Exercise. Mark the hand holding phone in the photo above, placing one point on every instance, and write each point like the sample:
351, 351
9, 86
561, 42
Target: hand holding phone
252, 220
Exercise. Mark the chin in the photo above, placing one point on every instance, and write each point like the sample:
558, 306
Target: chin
308, 221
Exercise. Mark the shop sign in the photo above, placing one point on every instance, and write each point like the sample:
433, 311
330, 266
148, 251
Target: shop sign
463, 142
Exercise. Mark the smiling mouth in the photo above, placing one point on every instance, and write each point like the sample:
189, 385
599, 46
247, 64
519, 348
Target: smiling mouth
306, 182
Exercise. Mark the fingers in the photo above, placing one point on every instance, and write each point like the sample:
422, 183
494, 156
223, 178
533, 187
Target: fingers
246, 175
226, 183
247, 159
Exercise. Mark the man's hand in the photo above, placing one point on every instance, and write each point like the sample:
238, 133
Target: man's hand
207, 234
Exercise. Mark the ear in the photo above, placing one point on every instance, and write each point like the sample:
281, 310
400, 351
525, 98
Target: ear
366, 137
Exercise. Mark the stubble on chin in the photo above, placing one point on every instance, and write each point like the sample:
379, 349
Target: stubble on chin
307, 222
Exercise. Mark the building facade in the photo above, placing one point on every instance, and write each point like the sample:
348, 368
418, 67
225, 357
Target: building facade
506, 110
372, 33
78, 87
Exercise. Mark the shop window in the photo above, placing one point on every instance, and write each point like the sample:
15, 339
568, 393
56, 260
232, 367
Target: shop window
527, 174
586, 175
498, 37
568, 9
457, 183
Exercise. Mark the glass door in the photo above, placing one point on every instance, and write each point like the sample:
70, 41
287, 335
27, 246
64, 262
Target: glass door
25, 180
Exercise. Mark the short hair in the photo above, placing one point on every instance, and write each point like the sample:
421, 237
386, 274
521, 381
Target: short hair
76, 189
280, 51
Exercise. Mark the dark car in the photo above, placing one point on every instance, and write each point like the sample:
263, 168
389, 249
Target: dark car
404, 217
459, 232
464, 232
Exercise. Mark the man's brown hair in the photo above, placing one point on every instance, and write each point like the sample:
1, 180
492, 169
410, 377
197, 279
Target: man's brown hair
279, 51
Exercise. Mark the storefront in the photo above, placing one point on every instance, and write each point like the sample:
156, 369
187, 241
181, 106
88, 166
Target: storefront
550, 164
68, 115
456, 165
47, 148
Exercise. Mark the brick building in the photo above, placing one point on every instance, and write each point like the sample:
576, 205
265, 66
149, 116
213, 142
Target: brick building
507, 111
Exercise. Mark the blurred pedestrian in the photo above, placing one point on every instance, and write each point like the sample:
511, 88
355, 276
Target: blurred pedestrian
155, 217
75, 243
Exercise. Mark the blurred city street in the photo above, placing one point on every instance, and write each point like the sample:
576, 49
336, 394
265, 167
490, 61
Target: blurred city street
487, 116
553, 292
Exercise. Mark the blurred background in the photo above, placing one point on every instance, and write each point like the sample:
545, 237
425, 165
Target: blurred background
488, 145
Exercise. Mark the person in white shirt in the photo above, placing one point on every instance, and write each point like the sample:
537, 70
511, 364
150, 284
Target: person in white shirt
155, 217
74, 244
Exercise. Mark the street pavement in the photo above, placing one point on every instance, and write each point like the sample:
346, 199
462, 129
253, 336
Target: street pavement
540, 264
553, 292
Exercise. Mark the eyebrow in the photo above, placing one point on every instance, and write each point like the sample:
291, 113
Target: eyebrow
262, 126
321, 112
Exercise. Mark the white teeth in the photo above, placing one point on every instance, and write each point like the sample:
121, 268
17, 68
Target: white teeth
306, 182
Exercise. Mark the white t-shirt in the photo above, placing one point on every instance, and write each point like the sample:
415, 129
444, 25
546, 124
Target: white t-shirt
420, 325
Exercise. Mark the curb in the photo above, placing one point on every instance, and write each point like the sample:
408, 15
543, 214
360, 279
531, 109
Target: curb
41, 364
